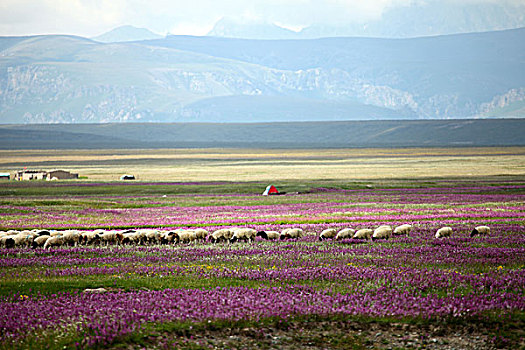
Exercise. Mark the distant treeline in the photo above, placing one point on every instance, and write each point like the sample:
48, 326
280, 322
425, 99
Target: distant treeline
377, 133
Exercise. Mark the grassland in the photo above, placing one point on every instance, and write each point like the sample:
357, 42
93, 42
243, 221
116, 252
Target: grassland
407, 292
276, 165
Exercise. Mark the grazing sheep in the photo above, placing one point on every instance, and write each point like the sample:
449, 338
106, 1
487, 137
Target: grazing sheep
192, 235
364, 233
444, 232
201, 234
71, 238
95, 290
54, 241
54, 233
27, 233
243, 234
23, 239
289, 233
152, 236
89, 237
344, 234
221, 235
111, 237
185, 236
403, 230
40, 241
168, 237
131, 238
42, 232
7, 241
141, 236
382, 232
269, 235
328, 233
480, 230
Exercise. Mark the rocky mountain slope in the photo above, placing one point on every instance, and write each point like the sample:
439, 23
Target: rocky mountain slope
66, 79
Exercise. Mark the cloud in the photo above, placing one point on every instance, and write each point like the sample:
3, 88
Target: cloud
93, 17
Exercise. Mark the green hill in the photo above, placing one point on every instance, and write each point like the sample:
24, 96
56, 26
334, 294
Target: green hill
380, 133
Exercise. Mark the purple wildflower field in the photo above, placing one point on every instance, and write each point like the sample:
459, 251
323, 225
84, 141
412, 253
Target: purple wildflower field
406, 278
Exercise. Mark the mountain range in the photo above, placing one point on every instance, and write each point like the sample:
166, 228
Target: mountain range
68, 79
415, 19
126, 33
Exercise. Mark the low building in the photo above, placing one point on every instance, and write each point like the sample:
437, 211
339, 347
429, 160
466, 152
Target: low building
5, 176
27, 175
61, 175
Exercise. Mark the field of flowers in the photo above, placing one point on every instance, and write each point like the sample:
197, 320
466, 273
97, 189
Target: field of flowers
267, 293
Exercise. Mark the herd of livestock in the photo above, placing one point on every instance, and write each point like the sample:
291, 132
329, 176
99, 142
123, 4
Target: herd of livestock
56, 238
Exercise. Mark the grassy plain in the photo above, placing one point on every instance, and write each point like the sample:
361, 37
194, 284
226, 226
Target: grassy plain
220, 188
275, 164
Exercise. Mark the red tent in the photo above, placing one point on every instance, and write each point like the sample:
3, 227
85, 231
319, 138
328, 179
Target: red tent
270, 190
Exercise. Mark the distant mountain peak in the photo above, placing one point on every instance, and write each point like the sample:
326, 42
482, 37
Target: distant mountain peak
232, 28
126, 33
417, 19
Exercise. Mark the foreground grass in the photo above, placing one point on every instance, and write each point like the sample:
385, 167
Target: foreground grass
313, 332
492, 259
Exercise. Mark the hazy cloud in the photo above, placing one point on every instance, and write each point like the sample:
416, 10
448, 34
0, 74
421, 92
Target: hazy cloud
93, 17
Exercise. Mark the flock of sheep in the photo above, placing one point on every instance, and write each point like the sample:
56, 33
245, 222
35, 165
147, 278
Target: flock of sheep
54, 238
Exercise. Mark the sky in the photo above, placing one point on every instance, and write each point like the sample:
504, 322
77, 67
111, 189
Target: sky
90, 18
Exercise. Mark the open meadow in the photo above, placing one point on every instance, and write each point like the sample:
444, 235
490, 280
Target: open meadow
167, 290
275, 165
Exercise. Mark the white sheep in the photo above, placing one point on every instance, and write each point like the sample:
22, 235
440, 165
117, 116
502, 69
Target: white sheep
131, 238
54, 233
23, 239
444, 232
28, 233
382, 232
201, 234
328, 233
71, 238
344, 234
403, 229
221, 235
89, 237
288, 233
141, 236
42, 232
7, 241
364, 233
152, 236
192, 235
54, 241
480, 230
270, 235
185, 236
111, 237
166, 237
40, 241
243, 234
